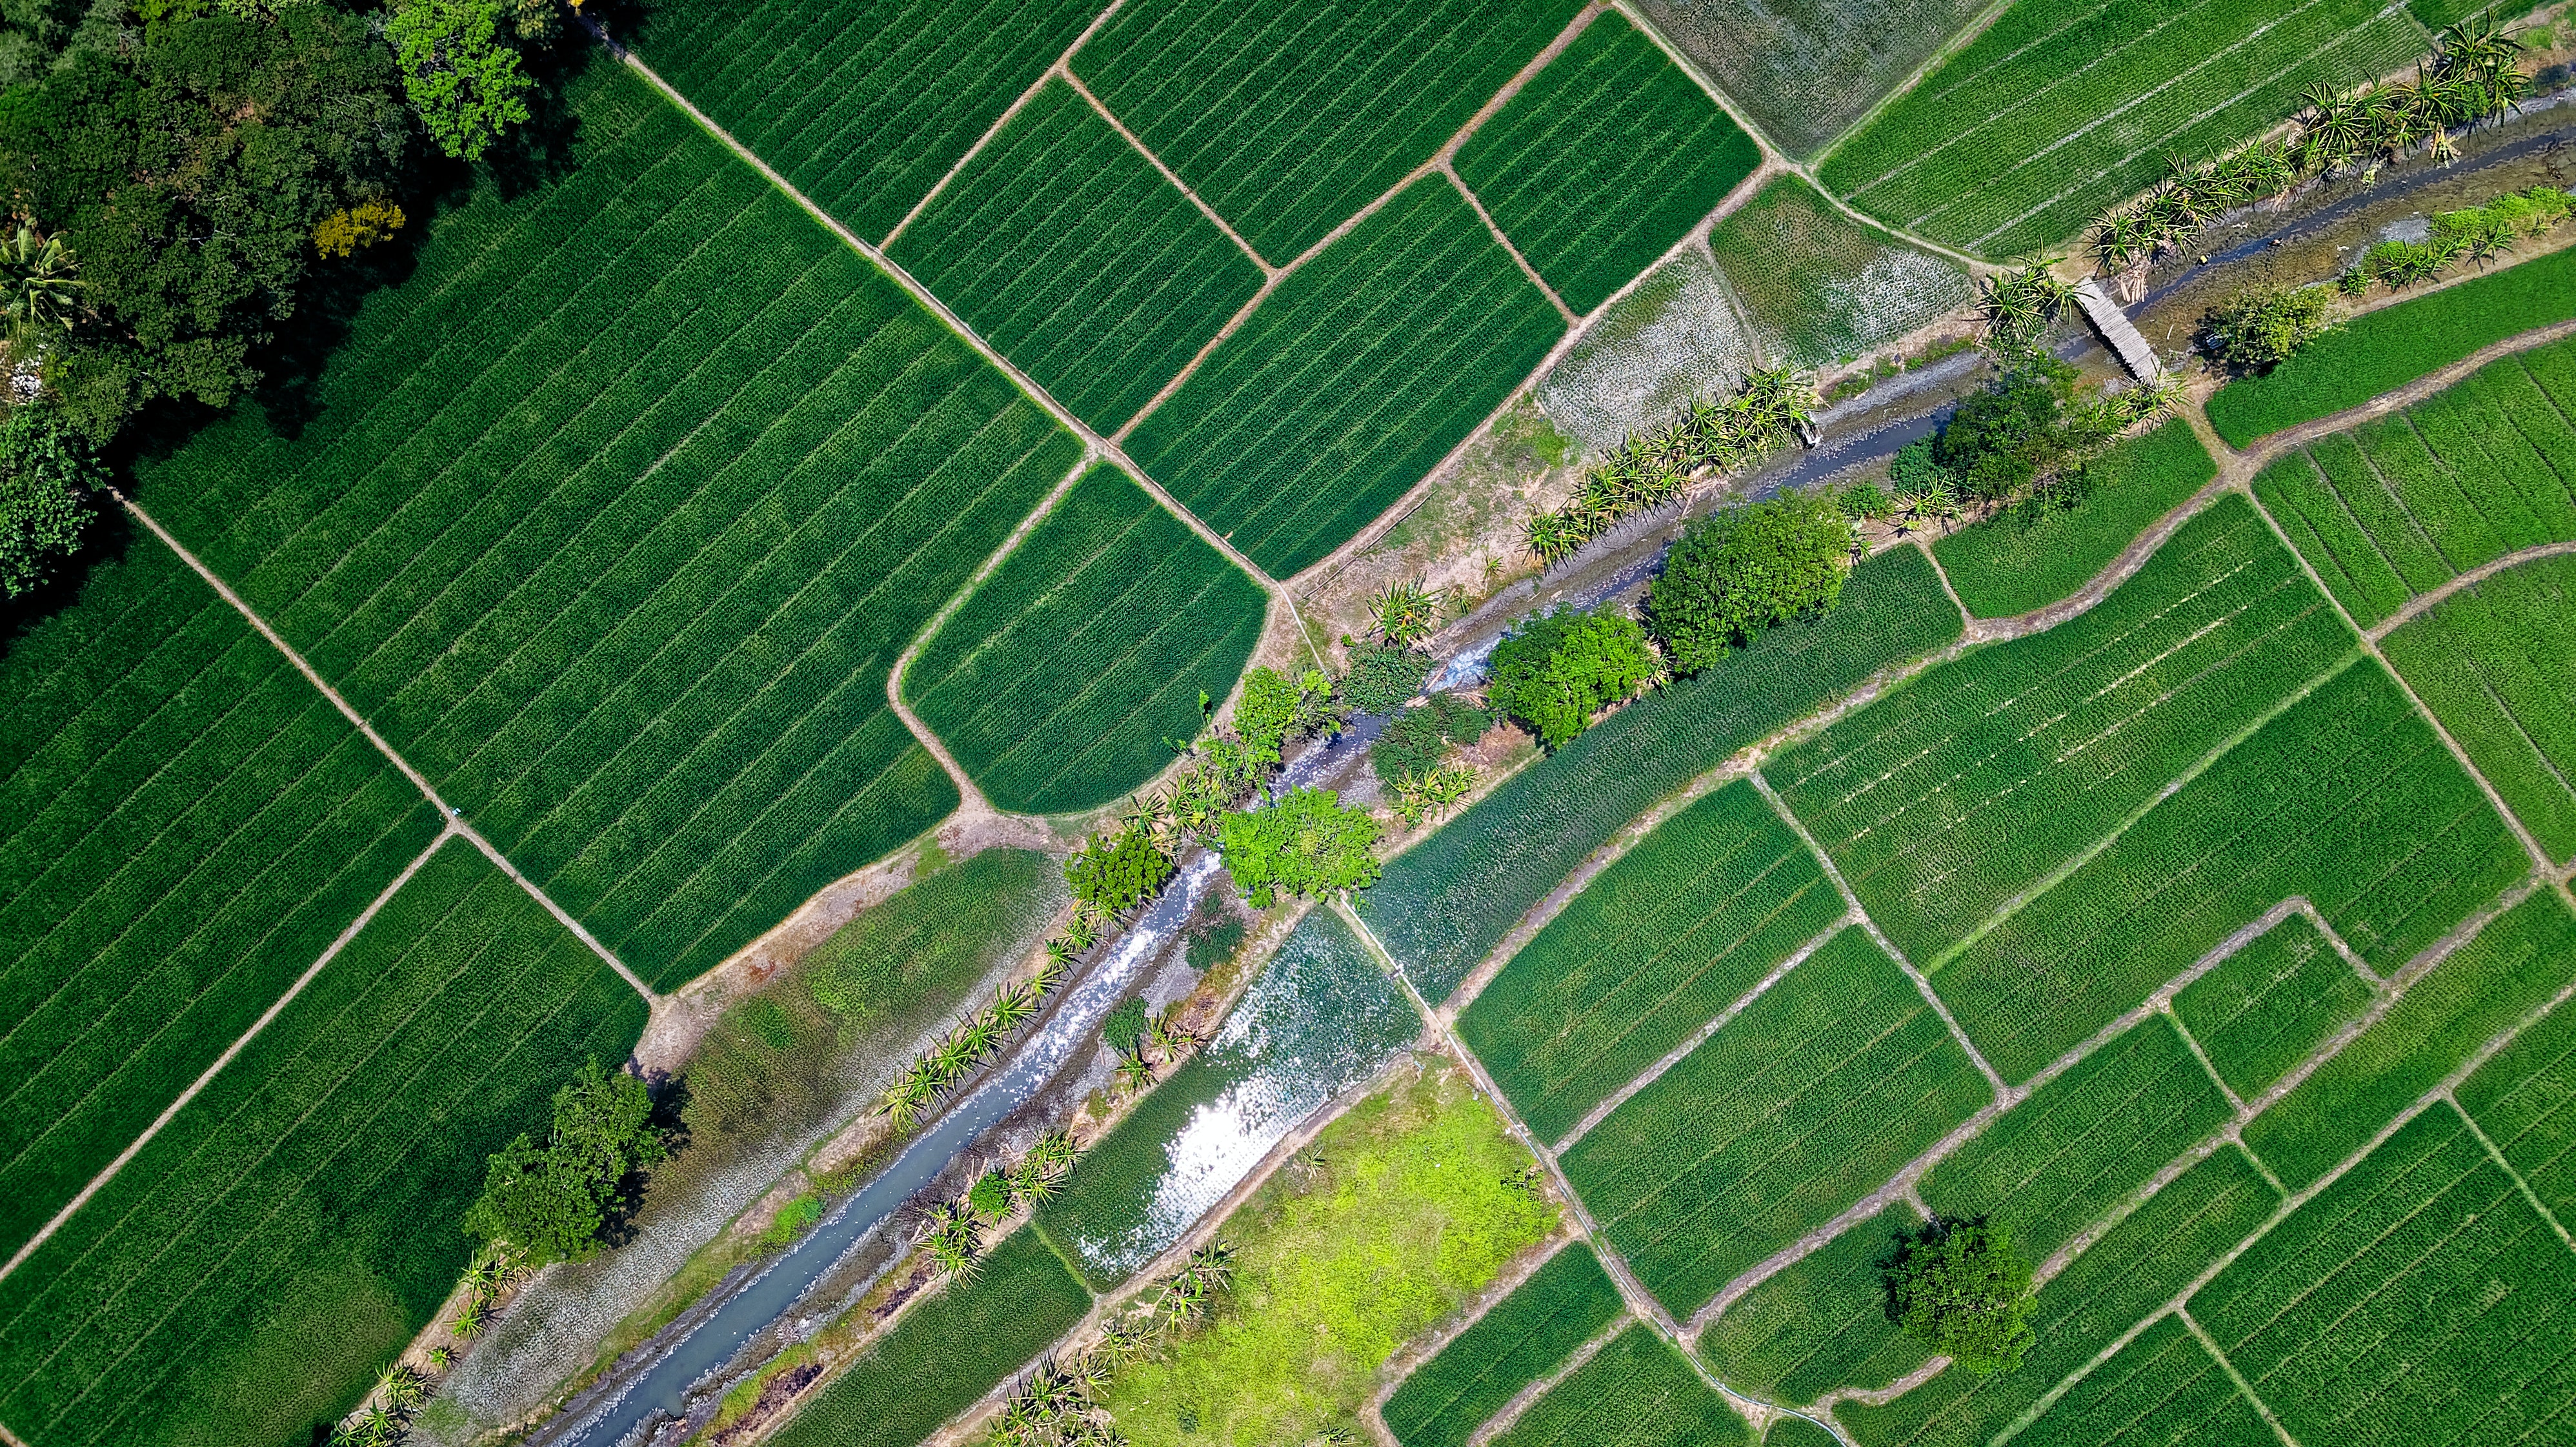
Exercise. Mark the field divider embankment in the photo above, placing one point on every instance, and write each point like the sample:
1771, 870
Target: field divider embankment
240, 1043
2422, 602
2496, 1154
1474, 203
2218, 1354
2271, 445
452, 816
1509, 1414
2208, 1067
1064, 70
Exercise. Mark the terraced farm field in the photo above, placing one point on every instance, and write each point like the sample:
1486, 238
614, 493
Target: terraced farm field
249, 1272
2489, 661
2261, 1010
2036, 554
1638, 1391
185, 826
1563, 1304
622, 567
2055, 112
2524, 1100
1806, 69
2162, 1387
1603, 161
1058, 682
1820, 287
1819, 1322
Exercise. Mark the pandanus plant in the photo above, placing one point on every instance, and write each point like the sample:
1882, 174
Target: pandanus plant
1403, 614
38, 285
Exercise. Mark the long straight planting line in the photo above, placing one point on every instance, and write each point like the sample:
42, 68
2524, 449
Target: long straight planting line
1477, 205
1064, 68
2423, 601
454, 819
2218, 1354
206, 1077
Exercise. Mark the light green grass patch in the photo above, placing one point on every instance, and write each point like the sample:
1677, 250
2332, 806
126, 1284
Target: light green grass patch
1819, 286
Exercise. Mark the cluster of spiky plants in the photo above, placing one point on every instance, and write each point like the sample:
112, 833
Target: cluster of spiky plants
494, 1269
1653, 468
954, 1231
2018, 304
1057, 1405
1420, 796
399, 1393
975, 1038
1403, 614
1163, 1037
1189, 1294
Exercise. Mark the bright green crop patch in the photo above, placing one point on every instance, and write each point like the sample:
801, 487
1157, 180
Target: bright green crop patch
1638, 1391
860, 104
2070, 1152
1448, 900
1062, 245
2036, 554
2525, 1101
1288, 119
246, 1275
1564, 1304
2383, 350
1351, 381
2137, 1266
1653, 948
1059, 682
2346, 798
1820, 1322
2261, 1010
2057, 111
946, 1352
1820, 287
185, 825
613, 516
2512, 968
2424, 1254
1806, 69
2492, 663
1951, 796
2160, 1389
1598, 165
1813, 1095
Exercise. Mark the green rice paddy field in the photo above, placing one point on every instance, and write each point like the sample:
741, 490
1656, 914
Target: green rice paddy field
2036, 554
2488, 661
1804, 70
1638, 1391
245, 1277
1820, 287
1563, 1304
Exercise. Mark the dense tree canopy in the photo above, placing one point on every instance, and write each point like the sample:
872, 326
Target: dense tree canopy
1960, 1286
1555, 672
1306, 843
1117, 874
46, 474
1741, 570
2000, 438
553, 1200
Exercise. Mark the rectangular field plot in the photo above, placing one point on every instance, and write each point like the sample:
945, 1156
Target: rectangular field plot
2346, 799
1058, 681
1636, 1392
946, 1351
1443, 904
2133, 1271
2417, 1299
2525, 1101
1653, 948
1288, 119
2261, 1010
1350, 381
2161, 1389
1820, 1322
2064, 1157
1799, 1106
1065, 248
861, 104
2057, 111
613, 516
2035, 554
1820, 287
2493, 664
1564, 1304
2511, 969
1806, 69
1599, 164
185, 826
245, 1277
1944, 800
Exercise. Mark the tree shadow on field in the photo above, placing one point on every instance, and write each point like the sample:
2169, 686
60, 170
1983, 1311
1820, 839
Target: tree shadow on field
105, 543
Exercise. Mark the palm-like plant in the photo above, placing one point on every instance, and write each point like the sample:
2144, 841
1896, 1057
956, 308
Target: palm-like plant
1404, 613
2332, 129
39, 285
401, 1388
1133, 1073
1552, 536
1013, 1006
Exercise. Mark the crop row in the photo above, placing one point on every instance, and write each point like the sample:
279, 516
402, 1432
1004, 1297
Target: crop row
2424, 1254
1442, 905
1819, 1322
2525, 1101
2137, 1266
2346, 798
1287, 120
1599, 164
2492, 664
1350, 381
2035, 554
2163, 1386
626, 589
2382, 350
1321, 1019
185, 825
1820, 287
1948, 798
1065, 248
1522, 1338
1817, 1092
1652, 948
1059, 682
2050, 115
1637, 1391
2261, 1010
2512, 968
248, 1273
861, 106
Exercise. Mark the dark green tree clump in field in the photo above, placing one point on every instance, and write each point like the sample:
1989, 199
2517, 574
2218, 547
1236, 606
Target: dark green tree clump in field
46, 475
1739, 571
1555, 672
2000, 439
1275, 708
2255, 331
558, 1199
1305, 844
1960, 1287
1383, 676
1417, 741
1116, 873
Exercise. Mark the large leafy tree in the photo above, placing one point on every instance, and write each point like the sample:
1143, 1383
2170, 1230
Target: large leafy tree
461, 70
1116, 874
553, 1200
2000, 438
1961, 1287
1555, 672
1306, 843
1739, 571
46, 474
